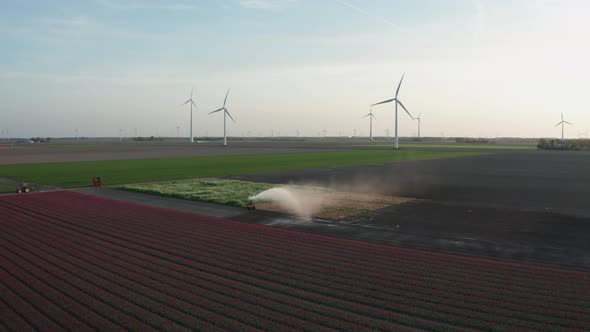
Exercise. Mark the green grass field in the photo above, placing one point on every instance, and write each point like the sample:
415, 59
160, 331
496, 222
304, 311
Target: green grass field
6, 188
79, 174
457, 146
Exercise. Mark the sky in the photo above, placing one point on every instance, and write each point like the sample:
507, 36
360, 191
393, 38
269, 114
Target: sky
476, 68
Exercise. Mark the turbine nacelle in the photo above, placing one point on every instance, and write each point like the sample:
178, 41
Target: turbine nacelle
398, 102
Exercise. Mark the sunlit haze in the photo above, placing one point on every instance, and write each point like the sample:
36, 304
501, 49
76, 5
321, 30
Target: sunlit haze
473, 68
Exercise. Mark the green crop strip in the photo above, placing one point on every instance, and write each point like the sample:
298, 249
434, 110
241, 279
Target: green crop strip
79, 174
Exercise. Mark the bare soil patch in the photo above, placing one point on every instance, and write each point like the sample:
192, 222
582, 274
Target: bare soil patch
340, 205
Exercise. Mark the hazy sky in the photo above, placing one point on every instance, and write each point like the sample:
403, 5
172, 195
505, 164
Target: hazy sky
473, 68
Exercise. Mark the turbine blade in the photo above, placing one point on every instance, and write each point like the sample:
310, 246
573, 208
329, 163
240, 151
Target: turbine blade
561, 116
399, 85
367, 115
192, 89
405, 109
192, 102
186, 102
568, 123
557, 124
384, 102
225, 100
227, 112
373, 116
221, 109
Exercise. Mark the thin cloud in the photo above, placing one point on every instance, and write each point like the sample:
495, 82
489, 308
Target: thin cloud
73, 21
366, 13
126, 5
265, 4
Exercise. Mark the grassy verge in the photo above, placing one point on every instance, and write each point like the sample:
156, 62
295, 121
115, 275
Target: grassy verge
79, 174
228, 192
5, 188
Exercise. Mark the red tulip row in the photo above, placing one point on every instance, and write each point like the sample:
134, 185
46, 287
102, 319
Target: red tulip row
162, 299
198, 271
354, 320
511, 290
531, 273
533, 309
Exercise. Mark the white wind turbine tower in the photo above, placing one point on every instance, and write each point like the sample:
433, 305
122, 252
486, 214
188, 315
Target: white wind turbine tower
191, 140
225, 112
562, 123
397, 101
419, 123
371, 117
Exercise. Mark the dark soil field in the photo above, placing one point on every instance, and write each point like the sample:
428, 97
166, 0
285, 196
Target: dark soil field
525, 205
44, 153
76, 262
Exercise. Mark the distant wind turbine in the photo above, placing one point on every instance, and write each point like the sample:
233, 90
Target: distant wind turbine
397, 101
225, 114
371, 117
419, 123
191, 140
562, 123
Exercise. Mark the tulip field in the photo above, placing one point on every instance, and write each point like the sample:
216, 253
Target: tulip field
70, 261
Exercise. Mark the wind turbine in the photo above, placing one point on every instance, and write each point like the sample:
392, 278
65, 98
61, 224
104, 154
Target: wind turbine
419, 123
562, 122
397, 101
371, 117
191, 140
225, 112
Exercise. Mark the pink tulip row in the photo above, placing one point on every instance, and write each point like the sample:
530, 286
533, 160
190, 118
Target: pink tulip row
277, 279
